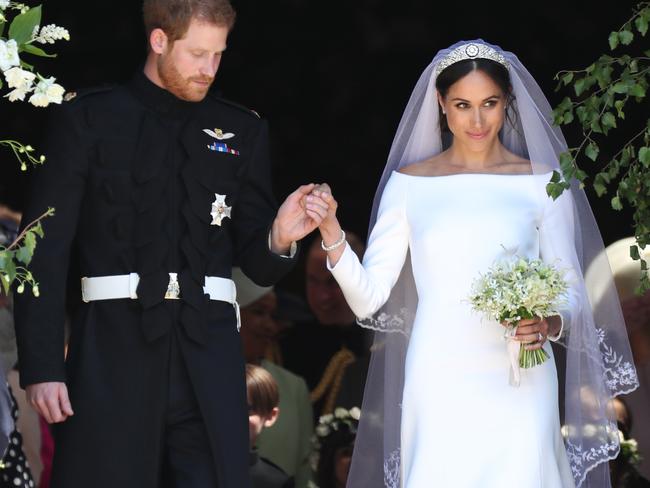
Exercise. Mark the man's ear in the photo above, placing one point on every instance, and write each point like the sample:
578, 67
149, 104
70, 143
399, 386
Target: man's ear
158, 41
273, 416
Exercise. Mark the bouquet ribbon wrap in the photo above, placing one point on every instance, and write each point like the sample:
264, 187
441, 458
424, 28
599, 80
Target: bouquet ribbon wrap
513, 347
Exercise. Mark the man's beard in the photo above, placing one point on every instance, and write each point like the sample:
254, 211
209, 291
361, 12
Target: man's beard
182, 88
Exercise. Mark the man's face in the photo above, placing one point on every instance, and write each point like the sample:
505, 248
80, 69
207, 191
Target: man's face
188, 66
324, 295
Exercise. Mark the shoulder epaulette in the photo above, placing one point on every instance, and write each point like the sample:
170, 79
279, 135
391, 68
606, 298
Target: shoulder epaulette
77, 95
235, 105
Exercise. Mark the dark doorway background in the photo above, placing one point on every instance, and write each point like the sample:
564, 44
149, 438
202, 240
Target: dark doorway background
331, 77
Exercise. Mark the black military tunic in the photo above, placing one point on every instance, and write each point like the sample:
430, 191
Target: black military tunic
265, 474
133, 173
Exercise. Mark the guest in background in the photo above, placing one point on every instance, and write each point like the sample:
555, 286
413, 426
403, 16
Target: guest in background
15, 468
624, 469
330, 352
263, 411
333, 445
636, 310
288, 442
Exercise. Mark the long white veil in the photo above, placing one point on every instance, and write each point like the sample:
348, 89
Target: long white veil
597, 361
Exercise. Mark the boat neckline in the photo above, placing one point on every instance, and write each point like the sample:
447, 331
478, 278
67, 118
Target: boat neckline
548, 173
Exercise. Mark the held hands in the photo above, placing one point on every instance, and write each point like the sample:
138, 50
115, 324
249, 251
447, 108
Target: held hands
50, 400
307, 208
321, 199
296, 218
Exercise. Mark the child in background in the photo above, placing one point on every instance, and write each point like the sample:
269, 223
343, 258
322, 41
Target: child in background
333, 443
263, 399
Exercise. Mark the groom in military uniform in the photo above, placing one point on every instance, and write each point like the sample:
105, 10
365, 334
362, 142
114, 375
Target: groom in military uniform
159, 188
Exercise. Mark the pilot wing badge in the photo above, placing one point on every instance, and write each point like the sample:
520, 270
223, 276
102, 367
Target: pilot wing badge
220, 135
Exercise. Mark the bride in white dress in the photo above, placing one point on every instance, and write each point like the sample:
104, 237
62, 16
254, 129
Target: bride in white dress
439, 410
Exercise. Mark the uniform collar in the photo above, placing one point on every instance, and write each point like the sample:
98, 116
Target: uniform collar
159, 99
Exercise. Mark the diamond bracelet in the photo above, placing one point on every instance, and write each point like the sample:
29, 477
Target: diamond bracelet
335, 245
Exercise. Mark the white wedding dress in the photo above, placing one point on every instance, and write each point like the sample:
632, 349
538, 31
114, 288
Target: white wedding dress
463, 425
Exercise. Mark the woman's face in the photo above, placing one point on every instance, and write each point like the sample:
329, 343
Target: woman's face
475, 108
258, 326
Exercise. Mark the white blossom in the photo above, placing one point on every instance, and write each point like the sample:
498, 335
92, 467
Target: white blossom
50, 33
47, 92
55, 93
4, 4
322, 430
340, 413
8, 54
355, 413
39, 100
17, 94
19, 78
632, 443
325, 419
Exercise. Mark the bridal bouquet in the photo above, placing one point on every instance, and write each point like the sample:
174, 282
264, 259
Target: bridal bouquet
520, 289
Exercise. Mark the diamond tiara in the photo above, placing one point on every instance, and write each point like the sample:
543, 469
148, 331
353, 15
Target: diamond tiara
470, 51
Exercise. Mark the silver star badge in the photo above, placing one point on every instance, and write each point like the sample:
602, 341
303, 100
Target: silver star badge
219, 134
219, 209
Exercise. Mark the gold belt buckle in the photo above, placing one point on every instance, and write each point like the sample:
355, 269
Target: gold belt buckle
173, 288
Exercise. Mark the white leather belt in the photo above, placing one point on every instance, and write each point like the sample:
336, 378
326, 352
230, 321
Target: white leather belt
125, 286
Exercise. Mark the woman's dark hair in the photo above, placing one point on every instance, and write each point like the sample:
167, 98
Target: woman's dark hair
342, 438
496, 71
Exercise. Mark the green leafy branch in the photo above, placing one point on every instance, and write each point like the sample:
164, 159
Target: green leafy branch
15, 258
24, 154
602, 93
21, 79
20, 76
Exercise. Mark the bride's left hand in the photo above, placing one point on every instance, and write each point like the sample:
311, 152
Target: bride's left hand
534, 332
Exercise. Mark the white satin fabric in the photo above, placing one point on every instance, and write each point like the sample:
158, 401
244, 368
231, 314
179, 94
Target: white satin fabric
463, 425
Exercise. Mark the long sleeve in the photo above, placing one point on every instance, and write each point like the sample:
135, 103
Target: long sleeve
367, 287
59, 183
557, 247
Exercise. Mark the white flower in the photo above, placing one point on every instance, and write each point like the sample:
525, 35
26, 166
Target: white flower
55, 93
19, 78
355, 413
39, 100
50, 33
340, 413
17, 94
47, 92
8, 54
322, 430
4, 4
326, 419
